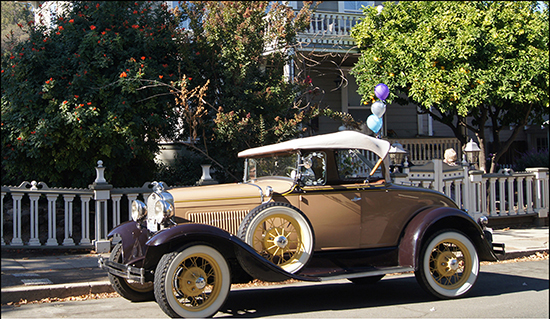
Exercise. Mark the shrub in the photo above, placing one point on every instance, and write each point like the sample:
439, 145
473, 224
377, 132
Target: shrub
532, 158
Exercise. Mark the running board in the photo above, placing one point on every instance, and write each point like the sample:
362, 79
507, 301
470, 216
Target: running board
349, 275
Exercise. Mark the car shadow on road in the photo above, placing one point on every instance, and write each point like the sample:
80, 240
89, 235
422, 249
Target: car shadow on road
394, 290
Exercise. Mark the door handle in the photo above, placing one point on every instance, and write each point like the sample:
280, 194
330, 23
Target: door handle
355, 199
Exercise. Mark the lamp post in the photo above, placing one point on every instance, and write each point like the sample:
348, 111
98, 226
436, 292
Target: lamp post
472, 152
397, 153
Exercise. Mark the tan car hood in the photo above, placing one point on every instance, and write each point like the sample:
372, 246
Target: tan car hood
227, 194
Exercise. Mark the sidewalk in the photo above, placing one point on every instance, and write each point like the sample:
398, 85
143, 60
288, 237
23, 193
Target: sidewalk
38, 277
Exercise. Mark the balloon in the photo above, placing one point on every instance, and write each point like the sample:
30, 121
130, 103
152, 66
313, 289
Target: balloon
378, 108
374, 123
381, 91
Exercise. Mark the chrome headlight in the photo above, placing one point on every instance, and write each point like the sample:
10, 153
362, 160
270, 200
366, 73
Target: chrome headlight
139, 210
162, 210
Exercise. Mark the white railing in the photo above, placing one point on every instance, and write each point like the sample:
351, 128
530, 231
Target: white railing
84, 216
506, 193
331, 28
423, 150
24, 210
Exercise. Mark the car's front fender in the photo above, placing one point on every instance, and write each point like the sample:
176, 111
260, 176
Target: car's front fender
134, 237
433, 219
175, 237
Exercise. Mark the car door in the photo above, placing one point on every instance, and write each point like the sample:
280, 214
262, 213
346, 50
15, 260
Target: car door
335, 215
333, 210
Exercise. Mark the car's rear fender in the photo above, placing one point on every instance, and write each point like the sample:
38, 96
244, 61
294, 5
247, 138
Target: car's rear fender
432, 219
174, 238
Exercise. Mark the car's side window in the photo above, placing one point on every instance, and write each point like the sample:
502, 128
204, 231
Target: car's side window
355, 165
313, 169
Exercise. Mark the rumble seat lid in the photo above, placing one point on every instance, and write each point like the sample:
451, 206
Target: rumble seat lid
338, 140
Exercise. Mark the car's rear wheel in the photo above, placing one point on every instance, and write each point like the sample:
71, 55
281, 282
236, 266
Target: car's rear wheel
448, 265
131, 290
280, 233
192, 283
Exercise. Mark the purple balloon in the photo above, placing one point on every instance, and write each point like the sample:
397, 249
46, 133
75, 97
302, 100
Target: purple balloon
381, 91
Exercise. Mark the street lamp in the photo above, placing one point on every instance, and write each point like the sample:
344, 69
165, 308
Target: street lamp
472, 152
397, 153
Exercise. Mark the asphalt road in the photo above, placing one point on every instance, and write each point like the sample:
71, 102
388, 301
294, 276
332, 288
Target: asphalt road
504, 290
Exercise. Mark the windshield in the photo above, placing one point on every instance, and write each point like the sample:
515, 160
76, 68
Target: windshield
270, 166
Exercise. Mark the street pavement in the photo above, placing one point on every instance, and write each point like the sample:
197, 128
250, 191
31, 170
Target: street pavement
38, 276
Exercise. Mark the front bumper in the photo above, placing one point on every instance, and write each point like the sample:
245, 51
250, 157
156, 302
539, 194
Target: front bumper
123, 271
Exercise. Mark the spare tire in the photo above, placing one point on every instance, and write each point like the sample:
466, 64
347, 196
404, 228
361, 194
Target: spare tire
279, 232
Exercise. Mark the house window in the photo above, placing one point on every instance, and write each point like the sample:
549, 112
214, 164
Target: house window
356, 6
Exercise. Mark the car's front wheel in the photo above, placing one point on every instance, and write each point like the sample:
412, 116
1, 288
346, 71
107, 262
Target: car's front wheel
448, 265
192, 283
128, 289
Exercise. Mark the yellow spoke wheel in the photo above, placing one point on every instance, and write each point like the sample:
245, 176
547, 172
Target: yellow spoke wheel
448, 264
278, 238
280, 233
192, 283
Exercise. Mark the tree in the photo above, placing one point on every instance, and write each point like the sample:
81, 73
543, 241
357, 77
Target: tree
465, 63
241, 48
73, 95
15, 15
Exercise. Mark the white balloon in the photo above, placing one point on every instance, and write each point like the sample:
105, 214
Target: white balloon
378, 108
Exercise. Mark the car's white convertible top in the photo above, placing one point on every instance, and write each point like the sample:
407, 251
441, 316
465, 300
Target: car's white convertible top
339, 140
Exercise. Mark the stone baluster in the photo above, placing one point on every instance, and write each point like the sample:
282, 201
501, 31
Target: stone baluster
492, 196
68, 198
502, 195
116, 208
52, 240
34, 235
529, 193
16, 240
519, 181
85, 211
511, 210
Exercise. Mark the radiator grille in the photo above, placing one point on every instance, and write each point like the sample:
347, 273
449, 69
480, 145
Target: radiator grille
228, 221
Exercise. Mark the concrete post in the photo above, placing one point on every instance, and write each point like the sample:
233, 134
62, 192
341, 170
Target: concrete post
102, 193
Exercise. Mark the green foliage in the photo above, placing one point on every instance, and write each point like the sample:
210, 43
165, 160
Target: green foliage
185, 171
251, 101
71, 95
479, 59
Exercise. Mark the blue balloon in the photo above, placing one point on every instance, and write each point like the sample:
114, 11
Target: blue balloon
374, 123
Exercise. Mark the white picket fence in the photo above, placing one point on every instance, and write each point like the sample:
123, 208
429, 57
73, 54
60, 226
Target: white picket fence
507, 193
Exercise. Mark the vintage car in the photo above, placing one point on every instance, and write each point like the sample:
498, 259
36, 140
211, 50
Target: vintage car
313, 209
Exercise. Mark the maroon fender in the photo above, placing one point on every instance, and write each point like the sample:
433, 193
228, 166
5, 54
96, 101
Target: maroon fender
134, 237
175, 237
433, 219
